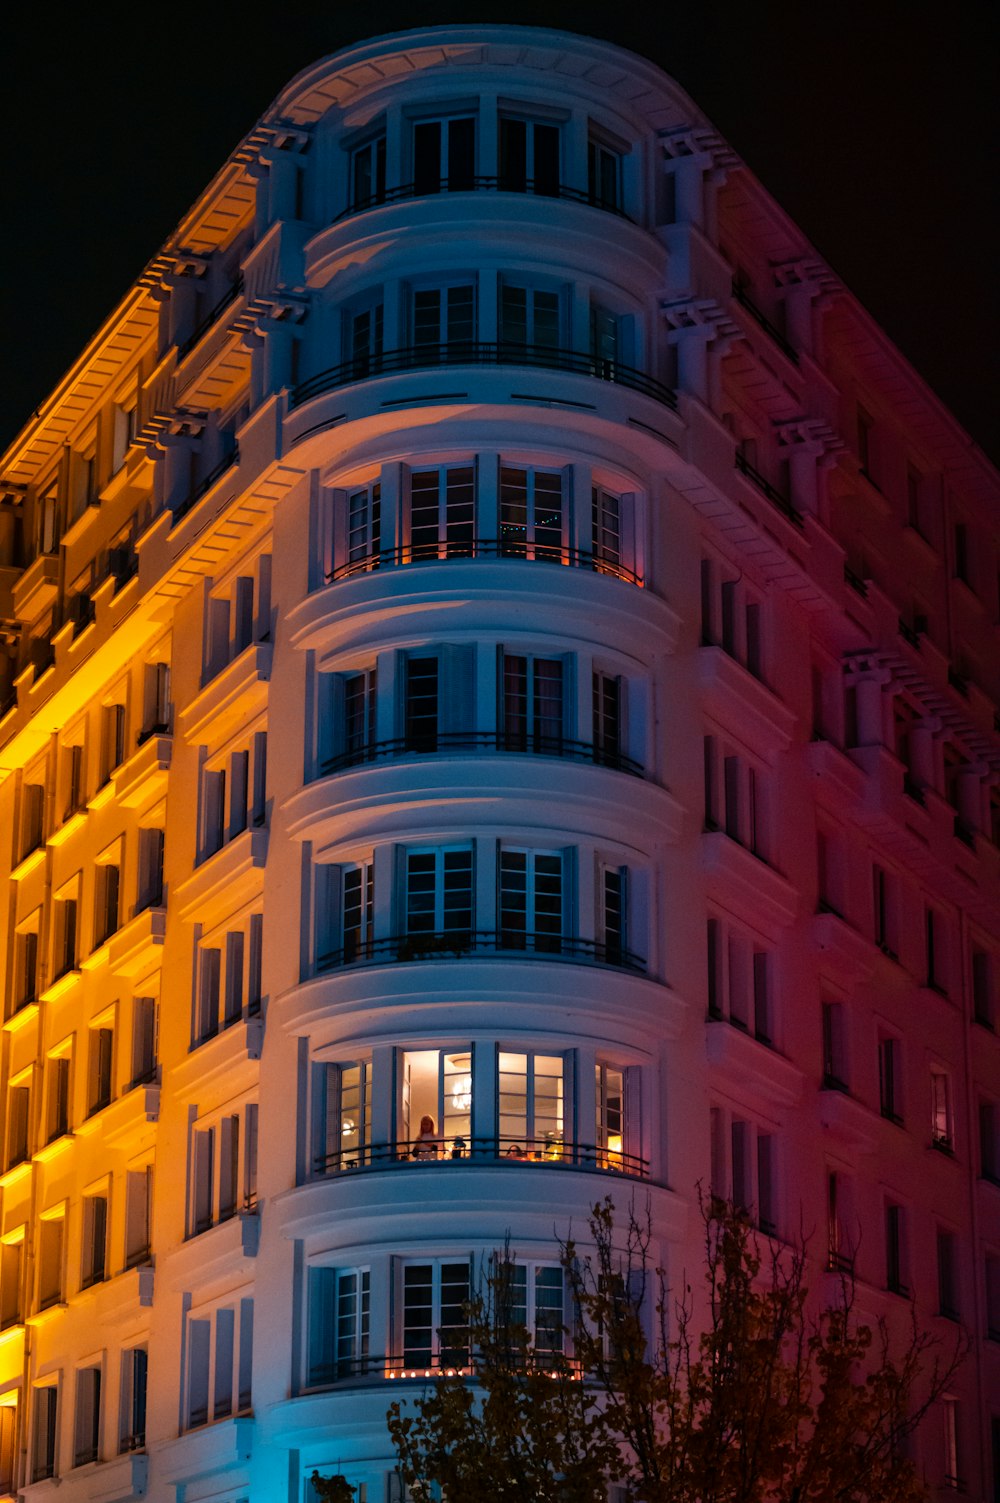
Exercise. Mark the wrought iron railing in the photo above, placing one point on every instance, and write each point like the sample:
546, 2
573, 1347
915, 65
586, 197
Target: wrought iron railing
480, 352
758, 315
477, 547
225, 301
451, 944
204, 486
478, 183
776, 497
444, 742
548, 1150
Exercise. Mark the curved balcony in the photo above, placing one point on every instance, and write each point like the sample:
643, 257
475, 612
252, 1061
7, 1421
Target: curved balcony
476, 547
454, 944
479, 183
480, 352
446, 742
549, 1152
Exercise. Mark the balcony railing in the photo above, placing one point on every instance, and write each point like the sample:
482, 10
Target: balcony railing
422, 1363
480, 352
446, 742
225, 301
744, 299
505, 183
477, 547
455, 943
776, 497
204, 486
548, 1151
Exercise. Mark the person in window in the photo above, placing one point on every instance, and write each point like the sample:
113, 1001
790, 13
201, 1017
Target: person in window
428, 1144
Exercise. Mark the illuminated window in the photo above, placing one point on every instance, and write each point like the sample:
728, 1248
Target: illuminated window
611, 1119
343, 1102
942, 1123
530, 1104
434, 1108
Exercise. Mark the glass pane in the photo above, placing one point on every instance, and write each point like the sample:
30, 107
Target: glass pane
513, 512
418, 1314
512, 1103
548, 902
454, 1315
548, 1310
548, 1103
457, 1103
513, 899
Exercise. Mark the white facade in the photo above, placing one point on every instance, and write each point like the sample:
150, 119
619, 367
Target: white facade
496, 635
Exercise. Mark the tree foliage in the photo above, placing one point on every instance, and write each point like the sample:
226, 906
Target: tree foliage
767, 1397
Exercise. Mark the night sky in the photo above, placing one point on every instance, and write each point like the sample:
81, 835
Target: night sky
875, 127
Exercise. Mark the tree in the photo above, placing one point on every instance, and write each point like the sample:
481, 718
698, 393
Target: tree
767, 1398
335, 1489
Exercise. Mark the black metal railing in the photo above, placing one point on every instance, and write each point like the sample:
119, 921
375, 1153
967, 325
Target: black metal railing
423, 1362
855, 580
225, 301
776, 497
549, 1150
451, 944
478, 183
480, 352
477, 547
204, 486
445, 742
758, 315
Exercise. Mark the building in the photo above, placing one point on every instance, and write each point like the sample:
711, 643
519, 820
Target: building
494, 633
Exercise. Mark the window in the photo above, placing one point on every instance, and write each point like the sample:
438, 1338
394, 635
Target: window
444, 320
339, 1324
895, 1248
138, 1215
149, 890
915, 501
25, 977
989, 1141
107, 895
530, 1093
835, 1072
744, 1168
530, 908
12, 1280
537, 1304
435, 1102
531, 705
731, 616
992, 1282
604, 175
739, 980
227, 980
365, 338
532, 513
143, 1053
734, 795
18, 1121
155, 701
444, 155
363, 542
57, 1083
890, 1080
50, 1260
64, 915
949, 1414
343, 1115
112, 739
443, 512
960, 536
983, 987
433, 1318
8, 1445
942, 1125
612, 1136
530, 319
132, 1405
219, 1363
100, 1069
95, 1240
529, 156
44, 1432
87, 1429
32, 818
608, 718
947, 1274
420, 706
439, 898
841, 1235
934, 946
222, 1174
612, 919
73, 775
368, 173
865, 427
884, 911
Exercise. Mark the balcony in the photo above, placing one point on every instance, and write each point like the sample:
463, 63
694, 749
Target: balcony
458, 742
475, 547
505, 183
457, 944
550, 1152
480, 352
776, 497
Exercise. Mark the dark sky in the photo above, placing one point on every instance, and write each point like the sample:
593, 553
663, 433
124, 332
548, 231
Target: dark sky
874, 125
